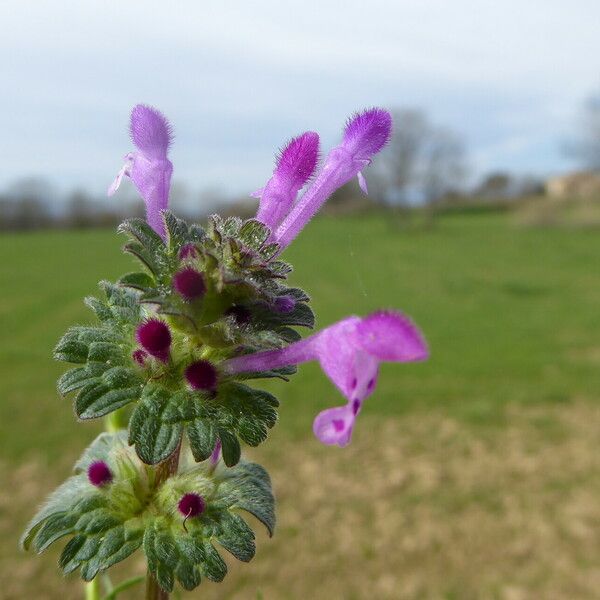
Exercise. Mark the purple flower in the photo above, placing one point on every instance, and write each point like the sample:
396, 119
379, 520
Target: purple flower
349, 352
216, 454
99, 474
191, 505
188, 251
295, 166
364, 136
284, 304
154, 336
148, 167
202, 375
189, 284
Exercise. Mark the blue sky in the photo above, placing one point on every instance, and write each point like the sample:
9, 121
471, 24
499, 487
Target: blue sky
238, 78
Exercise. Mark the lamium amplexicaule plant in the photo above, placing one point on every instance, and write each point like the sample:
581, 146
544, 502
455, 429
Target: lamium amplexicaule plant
171, 359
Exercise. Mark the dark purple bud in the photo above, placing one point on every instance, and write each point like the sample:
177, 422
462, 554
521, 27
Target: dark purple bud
202, 375
154, 336
241, 314
188, 251
284, 304
191, 505
189, 284
99, 474
140, 356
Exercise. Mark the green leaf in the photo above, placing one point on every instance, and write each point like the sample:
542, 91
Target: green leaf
213, 566
230, 448
231, 226
253, 234
140, 230
154, 439
138, 280
98, 396
301, 315
280, 269
275, 373
145, 256
202, 436
76, 378
184, 550
104, 531
102, 311
269, 251
248, 486
236, 536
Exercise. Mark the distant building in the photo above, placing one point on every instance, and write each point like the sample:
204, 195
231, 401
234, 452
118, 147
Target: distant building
580, 184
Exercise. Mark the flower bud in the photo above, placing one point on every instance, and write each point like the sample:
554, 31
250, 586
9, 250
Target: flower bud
202, 375
191, 505
99, 474
154, 336
284, 304
188, 251
240, 314
139, 356
189, 284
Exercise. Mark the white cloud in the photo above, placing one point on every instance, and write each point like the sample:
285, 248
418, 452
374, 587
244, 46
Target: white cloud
237, 78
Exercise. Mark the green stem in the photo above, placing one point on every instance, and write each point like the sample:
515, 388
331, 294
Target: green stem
115, 421
92, 589
125, 585
163, 471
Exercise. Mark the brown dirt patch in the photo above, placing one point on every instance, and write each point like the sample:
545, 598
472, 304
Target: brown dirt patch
425, 507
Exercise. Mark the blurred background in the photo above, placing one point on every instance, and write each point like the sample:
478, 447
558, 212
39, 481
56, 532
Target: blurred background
475, 475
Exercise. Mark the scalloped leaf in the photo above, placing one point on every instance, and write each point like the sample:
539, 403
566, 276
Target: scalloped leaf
154, 436
185, 552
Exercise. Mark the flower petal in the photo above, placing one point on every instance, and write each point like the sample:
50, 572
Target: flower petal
151, 132
334, 425
295, 166
153, 180
365, 135
391, 336
362, 182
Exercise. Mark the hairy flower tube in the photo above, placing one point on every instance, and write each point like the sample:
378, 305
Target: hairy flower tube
364, 136
174, 356
349, 352
295, 166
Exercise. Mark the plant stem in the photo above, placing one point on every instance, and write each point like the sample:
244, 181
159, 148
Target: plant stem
92, 589
163, 471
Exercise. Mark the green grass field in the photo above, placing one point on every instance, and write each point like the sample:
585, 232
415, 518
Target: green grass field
513, 321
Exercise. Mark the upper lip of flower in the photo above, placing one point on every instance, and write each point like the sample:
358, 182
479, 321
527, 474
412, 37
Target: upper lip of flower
148, 167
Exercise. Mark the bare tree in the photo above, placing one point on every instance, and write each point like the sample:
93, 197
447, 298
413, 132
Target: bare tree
587, 147
424, 161
444, 164
397, 171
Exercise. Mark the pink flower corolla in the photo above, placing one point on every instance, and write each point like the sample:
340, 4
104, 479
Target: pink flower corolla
349, 352
148, 167
364, 136
295, 166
